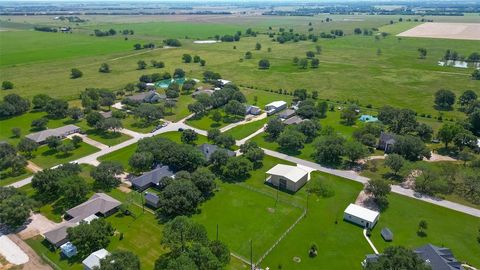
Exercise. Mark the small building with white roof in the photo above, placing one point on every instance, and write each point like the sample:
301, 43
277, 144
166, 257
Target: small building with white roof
361, 216
275, 107
287, 177
93, 260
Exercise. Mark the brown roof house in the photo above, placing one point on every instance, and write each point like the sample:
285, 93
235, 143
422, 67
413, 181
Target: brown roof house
99, 205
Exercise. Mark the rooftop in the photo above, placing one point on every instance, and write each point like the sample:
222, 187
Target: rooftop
93, 260
208, 149
278, 103
292, 173
439, 258
152, 177
57, 132
98, 203
362, 212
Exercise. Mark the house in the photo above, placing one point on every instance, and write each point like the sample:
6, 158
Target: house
361, 216
368, 118
99, 205
295, 120
106, 115
287, 177
151, 178
209, 149
152, 199
275, 107
287, 113
68, 250
386, 142
93, 260
387, 235
147, 97
439, 258
253, 110
61, 132
223, 82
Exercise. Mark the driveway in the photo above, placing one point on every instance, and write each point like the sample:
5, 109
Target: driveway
11, 251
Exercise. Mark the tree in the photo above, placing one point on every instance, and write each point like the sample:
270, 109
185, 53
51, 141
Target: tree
105, 174
378, 188
318, 49
57, 108
315, 63
75, 73
141, 64
196, 59
120, 260
187, 58
424, 131
65, 148
448, 131
179, 73
6, 85
467, 97
430, 181
213, 133
111, 123
398, 257
303, 63
15, 207
40, 123
395, 162
476, 74
310, 54
16, 132
291, 140
237, 168
93, 119
197, 108
75, 191
422, 226
329, 149
75, 113
465, 138
444, 99
355, 150
248, 55
300, 94
53, 142
349, 115
422, 52
264, 64
399, 121
148, 112
13, 104
76, 140
204, 180
258, 46
253, 152
179, 198
217, 116
181, 232
234, 107
141, 161
274, 128
221, 251
40, 101
203, 62
104, 68
189, 136
411, 148
474, 121
322, 108
27, 146
225, 140
90, 237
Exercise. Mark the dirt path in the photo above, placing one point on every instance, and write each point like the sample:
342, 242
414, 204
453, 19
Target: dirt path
437, 157
34, 262
33, 167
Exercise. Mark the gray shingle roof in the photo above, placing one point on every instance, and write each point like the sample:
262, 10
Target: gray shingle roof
209, 149
98, 203
293, 120
439, 258
58, 234
152, 177
387, 234
57, 132
287, 113
151, 198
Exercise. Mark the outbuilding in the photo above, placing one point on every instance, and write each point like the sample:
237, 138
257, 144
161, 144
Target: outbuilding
93, 260
287, 177
387, 234
361, 216
275, 107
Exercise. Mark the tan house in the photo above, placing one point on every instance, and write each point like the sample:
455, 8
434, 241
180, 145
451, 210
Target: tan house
287, 177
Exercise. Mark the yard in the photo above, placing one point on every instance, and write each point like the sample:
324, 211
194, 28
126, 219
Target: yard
6, 179
206, 121
242, 131
47, 158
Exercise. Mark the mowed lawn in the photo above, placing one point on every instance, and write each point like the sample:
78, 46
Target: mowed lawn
446, 227
242, 131
243, 215
47, 158
341, 245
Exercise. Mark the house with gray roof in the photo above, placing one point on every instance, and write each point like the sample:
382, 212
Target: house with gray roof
147, 97
386, 142
208, 149
253, 110
61, 133
151, 178
99, 205
287, 113
295, 120
439, 258
152, 199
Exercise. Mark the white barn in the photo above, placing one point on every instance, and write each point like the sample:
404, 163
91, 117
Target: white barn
275, 107
287, 177
360, 215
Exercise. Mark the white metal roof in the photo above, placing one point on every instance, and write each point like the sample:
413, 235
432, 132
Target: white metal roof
362, 212
276, 104
292, 173
94, 259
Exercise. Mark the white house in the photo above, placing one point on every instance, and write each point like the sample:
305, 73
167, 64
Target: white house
93, 260
360, 215
275, 106
287, 177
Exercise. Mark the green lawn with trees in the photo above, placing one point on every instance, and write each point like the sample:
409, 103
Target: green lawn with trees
46, 158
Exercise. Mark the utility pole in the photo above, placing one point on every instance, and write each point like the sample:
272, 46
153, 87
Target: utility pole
252, 267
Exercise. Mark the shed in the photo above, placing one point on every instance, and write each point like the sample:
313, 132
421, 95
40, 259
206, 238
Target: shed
287, 177
387, 235
253, 110
275, 107
361, 216
93, 260
287, 113
68, 250
152, 199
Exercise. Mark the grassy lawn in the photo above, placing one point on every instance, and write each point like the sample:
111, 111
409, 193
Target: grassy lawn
243, 215
7, 180
46, 158
448, 228
206, 122
136, 125
340, 244
181, 109
105, 137
242, 131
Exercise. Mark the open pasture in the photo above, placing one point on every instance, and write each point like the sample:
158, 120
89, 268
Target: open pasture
468, 31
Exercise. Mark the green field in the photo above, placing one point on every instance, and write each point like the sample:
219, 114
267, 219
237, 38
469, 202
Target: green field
47, 158
242, 131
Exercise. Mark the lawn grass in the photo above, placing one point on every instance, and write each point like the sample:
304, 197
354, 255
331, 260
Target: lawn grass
242, 131
47, 158
136, 125
206, 122
7, 180
52, 257
446, 227
106, 137
340, 244
181, 109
